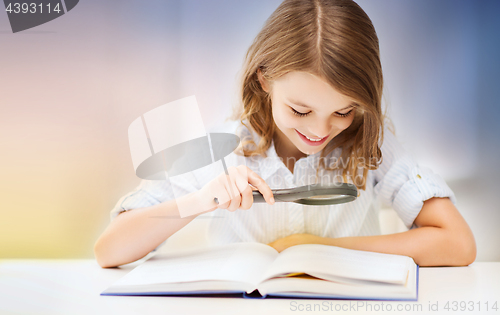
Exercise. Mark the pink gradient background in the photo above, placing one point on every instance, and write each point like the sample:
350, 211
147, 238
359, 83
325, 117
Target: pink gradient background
70, 88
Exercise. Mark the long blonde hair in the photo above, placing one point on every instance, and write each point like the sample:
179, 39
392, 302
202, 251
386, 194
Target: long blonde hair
336, 41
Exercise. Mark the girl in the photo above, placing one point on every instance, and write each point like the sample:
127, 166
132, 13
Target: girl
311, 111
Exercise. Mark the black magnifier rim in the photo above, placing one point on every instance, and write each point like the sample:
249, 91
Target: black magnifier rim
303, 194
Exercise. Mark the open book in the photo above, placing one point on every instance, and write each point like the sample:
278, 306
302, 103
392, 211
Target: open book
258, 270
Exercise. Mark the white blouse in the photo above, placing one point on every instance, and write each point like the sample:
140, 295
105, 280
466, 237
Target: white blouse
399, 182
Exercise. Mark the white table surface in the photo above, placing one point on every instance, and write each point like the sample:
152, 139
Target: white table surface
49, 286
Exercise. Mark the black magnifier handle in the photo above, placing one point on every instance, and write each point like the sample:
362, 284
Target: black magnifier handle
316, 194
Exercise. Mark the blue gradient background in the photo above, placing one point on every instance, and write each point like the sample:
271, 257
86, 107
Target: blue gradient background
70, 88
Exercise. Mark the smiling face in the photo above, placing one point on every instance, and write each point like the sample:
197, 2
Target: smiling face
308, 112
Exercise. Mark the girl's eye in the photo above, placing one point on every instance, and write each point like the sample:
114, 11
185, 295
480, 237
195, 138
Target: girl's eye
305, 114
344, 115
299, 113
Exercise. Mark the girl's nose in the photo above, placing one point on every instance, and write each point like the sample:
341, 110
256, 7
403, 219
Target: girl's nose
321, 130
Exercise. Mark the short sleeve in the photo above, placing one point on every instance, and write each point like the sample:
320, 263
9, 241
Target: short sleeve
402, 184
148, 193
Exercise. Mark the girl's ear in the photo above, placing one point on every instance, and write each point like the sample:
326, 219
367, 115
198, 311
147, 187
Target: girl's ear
263, 82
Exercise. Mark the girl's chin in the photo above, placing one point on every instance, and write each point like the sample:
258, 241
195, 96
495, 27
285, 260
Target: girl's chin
310, 151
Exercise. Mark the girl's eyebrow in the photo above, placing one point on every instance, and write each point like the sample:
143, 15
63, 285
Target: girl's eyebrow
352, 104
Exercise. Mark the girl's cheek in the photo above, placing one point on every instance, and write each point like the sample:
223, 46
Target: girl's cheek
344, 123
293, 121
286, 119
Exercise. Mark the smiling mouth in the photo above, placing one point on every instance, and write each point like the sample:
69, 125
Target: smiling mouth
311, 141
311, 138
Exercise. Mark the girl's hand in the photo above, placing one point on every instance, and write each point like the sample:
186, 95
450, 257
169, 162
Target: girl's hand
234, 191
295, 239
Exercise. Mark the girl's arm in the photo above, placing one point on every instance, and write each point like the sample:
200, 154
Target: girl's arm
134, 234
442, 238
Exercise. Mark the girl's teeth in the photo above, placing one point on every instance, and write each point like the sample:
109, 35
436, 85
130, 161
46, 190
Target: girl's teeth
316, 140
313, 139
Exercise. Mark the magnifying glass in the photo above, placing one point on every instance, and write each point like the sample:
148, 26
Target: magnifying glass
314, 195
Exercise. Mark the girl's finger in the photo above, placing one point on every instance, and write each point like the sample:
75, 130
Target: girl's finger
241, 178
246, 198
222, 198
232, 188
235, 202
244, 187
257, 181
221, 192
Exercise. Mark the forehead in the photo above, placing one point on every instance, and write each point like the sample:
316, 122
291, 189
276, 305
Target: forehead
307, 89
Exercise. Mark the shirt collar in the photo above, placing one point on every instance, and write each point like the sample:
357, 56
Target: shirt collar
271, 163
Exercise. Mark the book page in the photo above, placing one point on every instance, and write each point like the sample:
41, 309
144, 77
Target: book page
240, 262
323, 260
303, 286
